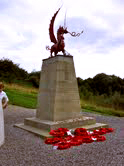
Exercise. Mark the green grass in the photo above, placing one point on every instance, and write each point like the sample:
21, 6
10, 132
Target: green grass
22, 99
88, 107
21, 95
25, 96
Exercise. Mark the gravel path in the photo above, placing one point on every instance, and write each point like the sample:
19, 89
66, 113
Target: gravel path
22, 148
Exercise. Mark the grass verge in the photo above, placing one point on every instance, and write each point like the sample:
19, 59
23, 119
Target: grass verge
87, 107
22, 96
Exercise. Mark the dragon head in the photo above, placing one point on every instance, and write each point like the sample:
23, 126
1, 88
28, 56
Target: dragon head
62, 30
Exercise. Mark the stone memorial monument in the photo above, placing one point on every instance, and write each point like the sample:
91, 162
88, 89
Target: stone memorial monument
1, 124
58, 97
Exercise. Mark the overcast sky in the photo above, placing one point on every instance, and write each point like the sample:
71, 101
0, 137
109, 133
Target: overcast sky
24, 33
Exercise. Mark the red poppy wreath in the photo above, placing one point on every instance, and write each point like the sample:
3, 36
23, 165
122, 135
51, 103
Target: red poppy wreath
65, 138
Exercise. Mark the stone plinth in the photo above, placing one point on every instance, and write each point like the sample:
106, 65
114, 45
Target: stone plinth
58, 99
1, 124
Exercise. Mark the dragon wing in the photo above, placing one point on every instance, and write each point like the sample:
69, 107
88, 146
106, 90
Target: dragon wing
51, 30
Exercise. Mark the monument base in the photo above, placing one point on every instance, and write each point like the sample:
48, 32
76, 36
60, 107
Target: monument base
43, 127
58, 100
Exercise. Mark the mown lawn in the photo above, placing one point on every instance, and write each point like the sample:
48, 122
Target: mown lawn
21, 96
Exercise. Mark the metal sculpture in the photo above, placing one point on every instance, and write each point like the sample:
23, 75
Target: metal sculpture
59, 44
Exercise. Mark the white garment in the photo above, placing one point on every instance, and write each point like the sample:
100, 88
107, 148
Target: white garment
1, 124
3, 95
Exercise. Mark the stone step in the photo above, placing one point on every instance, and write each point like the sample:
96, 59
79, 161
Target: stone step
51, 125
45, 133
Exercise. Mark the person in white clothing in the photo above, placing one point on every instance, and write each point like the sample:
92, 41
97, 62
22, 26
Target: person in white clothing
3, 96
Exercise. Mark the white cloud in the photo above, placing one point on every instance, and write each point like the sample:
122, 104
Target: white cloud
24, 33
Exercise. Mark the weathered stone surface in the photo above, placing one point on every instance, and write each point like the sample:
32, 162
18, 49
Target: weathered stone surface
1, 124
58, 97
50, 125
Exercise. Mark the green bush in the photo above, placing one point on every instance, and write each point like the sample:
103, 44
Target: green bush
34, 80
9, 71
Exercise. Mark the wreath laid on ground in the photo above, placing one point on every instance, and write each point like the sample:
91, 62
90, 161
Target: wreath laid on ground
65, 138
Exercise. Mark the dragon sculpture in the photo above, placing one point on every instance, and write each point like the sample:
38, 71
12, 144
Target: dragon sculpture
59, 44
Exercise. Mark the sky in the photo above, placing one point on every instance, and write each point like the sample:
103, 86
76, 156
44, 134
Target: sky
24, 33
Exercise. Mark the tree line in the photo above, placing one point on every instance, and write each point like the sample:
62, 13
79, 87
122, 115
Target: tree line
98, 85
13, 73
103, 88
101, 84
